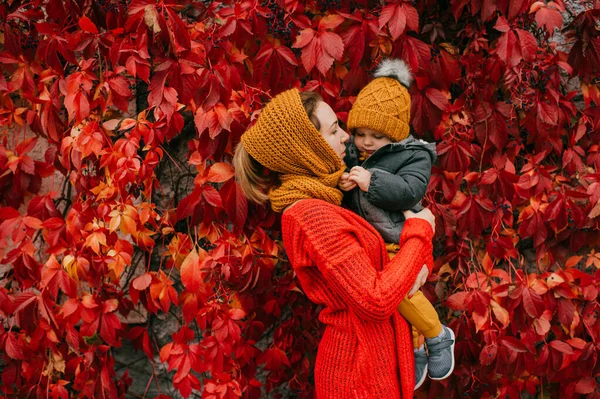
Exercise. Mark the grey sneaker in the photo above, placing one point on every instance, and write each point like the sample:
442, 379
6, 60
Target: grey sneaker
441, 354
420, 367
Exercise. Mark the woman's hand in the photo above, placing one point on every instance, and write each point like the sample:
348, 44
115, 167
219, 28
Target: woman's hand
425, 214
360, 176
421, 279
344, 184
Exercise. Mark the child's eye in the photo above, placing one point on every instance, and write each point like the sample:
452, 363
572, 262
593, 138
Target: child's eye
359, 134
378, 137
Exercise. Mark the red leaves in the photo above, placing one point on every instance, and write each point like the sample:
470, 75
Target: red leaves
215, 120
87, 25
162, 292
274, 359
515, 188
398, 17
321, 47
78, 88
191, 270
427, 105
273, 63
100, 319
532, 222
548, 15
12, 346
515, 45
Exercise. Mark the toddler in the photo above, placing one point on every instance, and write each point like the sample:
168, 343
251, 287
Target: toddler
388, 173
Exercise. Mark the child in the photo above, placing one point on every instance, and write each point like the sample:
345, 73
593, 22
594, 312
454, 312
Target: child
389, 172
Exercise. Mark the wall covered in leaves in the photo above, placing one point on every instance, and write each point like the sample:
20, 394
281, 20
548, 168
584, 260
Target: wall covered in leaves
108, 86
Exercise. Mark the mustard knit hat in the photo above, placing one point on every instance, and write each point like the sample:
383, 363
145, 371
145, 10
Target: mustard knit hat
384, 104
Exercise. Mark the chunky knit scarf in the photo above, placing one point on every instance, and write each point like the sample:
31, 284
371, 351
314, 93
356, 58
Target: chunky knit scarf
284, 140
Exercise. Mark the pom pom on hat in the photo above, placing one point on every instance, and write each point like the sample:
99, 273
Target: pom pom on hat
394, 68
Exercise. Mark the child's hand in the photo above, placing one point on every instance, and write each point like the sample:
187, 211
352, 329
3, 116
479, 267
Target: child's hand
361, 177
344, 184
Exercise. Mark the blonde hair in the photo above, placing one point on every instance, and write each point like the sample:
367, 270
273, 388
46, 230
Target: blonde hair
256, 180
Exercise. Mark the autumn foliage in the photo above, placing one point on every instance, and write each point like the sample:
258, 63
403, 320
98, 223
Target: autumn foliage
89, 234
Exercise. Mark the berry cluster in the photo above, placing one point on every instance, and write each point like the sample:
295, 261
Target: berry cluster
434, 53
110, 5
326, 5
106, 6
276, 21
29, 42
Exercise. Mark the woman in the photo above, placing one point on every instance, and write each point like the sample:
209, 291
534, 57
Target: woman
292, 157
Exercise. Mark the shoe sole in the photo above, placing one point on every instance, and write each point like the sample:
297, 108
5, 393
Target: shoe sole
452, 367
419, 383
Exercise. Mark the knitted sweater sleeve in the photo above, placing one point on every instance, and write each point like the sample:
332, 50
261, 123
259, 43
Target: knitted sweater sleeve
372, 295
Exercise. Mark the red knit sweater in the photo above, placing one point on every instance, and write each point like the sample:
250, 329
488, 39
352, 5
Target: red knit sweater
342, 263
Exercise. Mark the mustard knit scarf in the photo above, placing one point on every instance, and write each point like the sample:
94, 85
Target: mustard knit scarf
284, 140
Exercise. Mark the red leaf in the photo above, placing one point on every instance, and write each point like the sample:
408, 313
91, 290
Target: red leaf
542, 325
87, 25
513, 344
508, 49
223, 116
547, 113
188, 204
329, 47
330, 21
333, 44
72, 336
234, 202
354, 41
562, 347
547, 16
26, 145
142, 282
532, 302
219, 172
13, 348
211, 196
178, 30
307, 42
528, 45
273, 358
457, 301
488, 354
393, 15
586, 385
437, 98
502, 25
191, 275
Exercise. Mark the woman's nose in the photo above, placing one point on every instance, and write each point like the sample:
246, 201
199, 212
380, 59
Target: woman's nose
345, 136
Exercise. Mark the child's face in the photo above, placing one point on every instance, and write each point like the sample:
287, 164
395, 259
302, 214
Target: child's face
369, 140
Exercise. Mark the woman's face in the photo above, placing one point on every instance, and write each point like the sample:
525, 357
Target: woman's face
330, 129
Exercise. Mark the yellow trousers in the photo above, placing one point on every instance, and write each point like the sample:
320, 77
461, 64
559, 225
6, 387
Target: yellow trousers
418, 311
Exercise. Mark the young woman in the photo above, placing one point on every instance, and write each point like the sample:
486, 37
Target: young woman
292, 157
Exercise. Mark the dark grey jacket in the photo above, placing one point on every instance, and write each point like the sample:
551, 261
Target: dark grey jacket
400, 175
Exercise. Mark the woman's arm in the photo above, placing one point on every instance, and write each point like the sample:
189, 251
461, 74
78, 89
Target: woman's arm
346, 265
